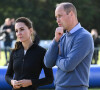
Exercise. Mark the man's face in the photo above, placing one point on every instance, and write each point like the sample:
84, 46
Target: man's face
62, 18
8, 22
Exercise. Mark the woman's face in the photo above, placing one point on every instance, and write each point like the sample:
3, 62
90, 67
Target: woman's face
23, 33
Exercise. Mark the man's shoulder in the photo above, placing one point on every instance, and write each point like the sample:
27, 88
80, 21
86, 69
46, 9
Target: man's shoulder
84, 32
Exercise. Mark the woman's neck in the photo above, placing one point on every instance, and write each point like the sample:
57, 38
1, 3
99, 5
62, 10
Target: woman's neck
27, 44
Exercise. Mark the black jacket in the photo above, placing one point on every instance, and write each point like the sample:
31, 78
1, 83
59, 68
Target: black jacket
29, 66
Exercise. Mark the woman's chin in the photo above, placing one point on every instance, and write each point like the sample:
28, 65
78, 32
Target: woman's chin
21, 40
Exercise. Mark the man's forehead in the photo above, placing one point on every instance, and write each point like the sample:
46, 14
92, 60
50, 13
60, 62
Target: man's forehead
59, 10
59, 7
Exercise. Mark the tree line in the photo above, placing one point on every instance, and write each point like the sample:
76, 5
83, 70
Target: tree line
42, 13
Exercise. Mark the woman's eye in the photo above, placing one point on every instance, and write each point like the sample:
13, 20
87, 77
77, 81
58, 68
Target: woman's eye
19, 30
22, 29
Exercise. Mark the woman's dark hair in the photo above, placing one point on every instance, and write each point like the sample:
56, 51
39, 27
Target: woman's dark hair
28, 23
25, 20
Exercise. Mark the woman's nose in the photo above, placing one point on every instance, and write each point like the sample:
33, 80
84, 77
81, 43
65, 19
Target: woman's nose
19, 33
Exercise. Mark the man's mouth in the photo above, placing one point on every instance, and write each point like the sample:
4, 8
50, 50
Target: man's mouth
59, 25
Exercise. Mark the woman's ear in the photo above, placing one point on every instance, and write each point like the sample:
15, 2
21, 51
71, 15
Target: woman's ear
31, 30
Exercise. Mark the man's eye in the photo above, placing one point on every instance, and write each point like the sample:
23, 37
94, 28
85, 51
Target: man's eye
16, 31
59, 16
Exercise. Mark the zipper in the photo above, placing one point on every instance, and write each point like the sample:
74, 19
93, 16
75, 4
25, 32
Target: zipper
22, 65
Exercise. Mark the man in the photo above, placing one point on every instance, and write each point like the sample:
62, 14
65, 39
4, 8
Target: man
70, 52
6, 30
96, 39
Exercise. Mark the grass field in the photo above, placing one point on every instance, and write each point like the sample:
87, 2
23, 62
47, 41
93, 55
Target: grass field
3, 61
2, 58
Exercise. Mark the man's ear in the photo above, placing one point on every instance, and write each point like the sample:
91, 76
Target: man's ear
71, 13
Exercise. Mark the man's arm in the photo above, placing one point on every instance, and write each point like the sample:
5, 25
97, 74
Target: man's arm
51, 55
82, 47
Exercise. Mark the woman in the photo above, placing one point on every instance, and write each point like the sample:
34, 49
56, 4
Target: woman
26, 60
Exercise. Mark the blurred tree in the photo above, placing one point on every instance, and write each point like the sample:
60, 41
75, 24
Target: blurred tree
42, 13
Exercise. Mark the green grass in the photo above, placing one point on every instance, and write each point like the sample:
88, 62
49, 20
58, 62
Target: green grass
2, 58
98, 59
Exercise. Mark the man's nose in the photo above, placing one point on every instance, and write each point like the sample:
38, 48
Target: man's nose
58, 20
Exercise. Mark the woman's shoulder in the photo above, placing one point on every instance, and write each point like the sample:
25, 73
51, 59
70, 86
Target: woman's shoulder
41, 48
38, 48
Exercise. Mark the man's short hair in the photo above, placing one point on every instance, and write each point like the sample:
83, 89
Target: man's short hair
68, 7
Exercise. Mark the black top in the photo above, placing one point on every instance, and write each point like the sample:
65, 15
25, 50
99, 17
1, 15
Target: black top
96, 42
29, 66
